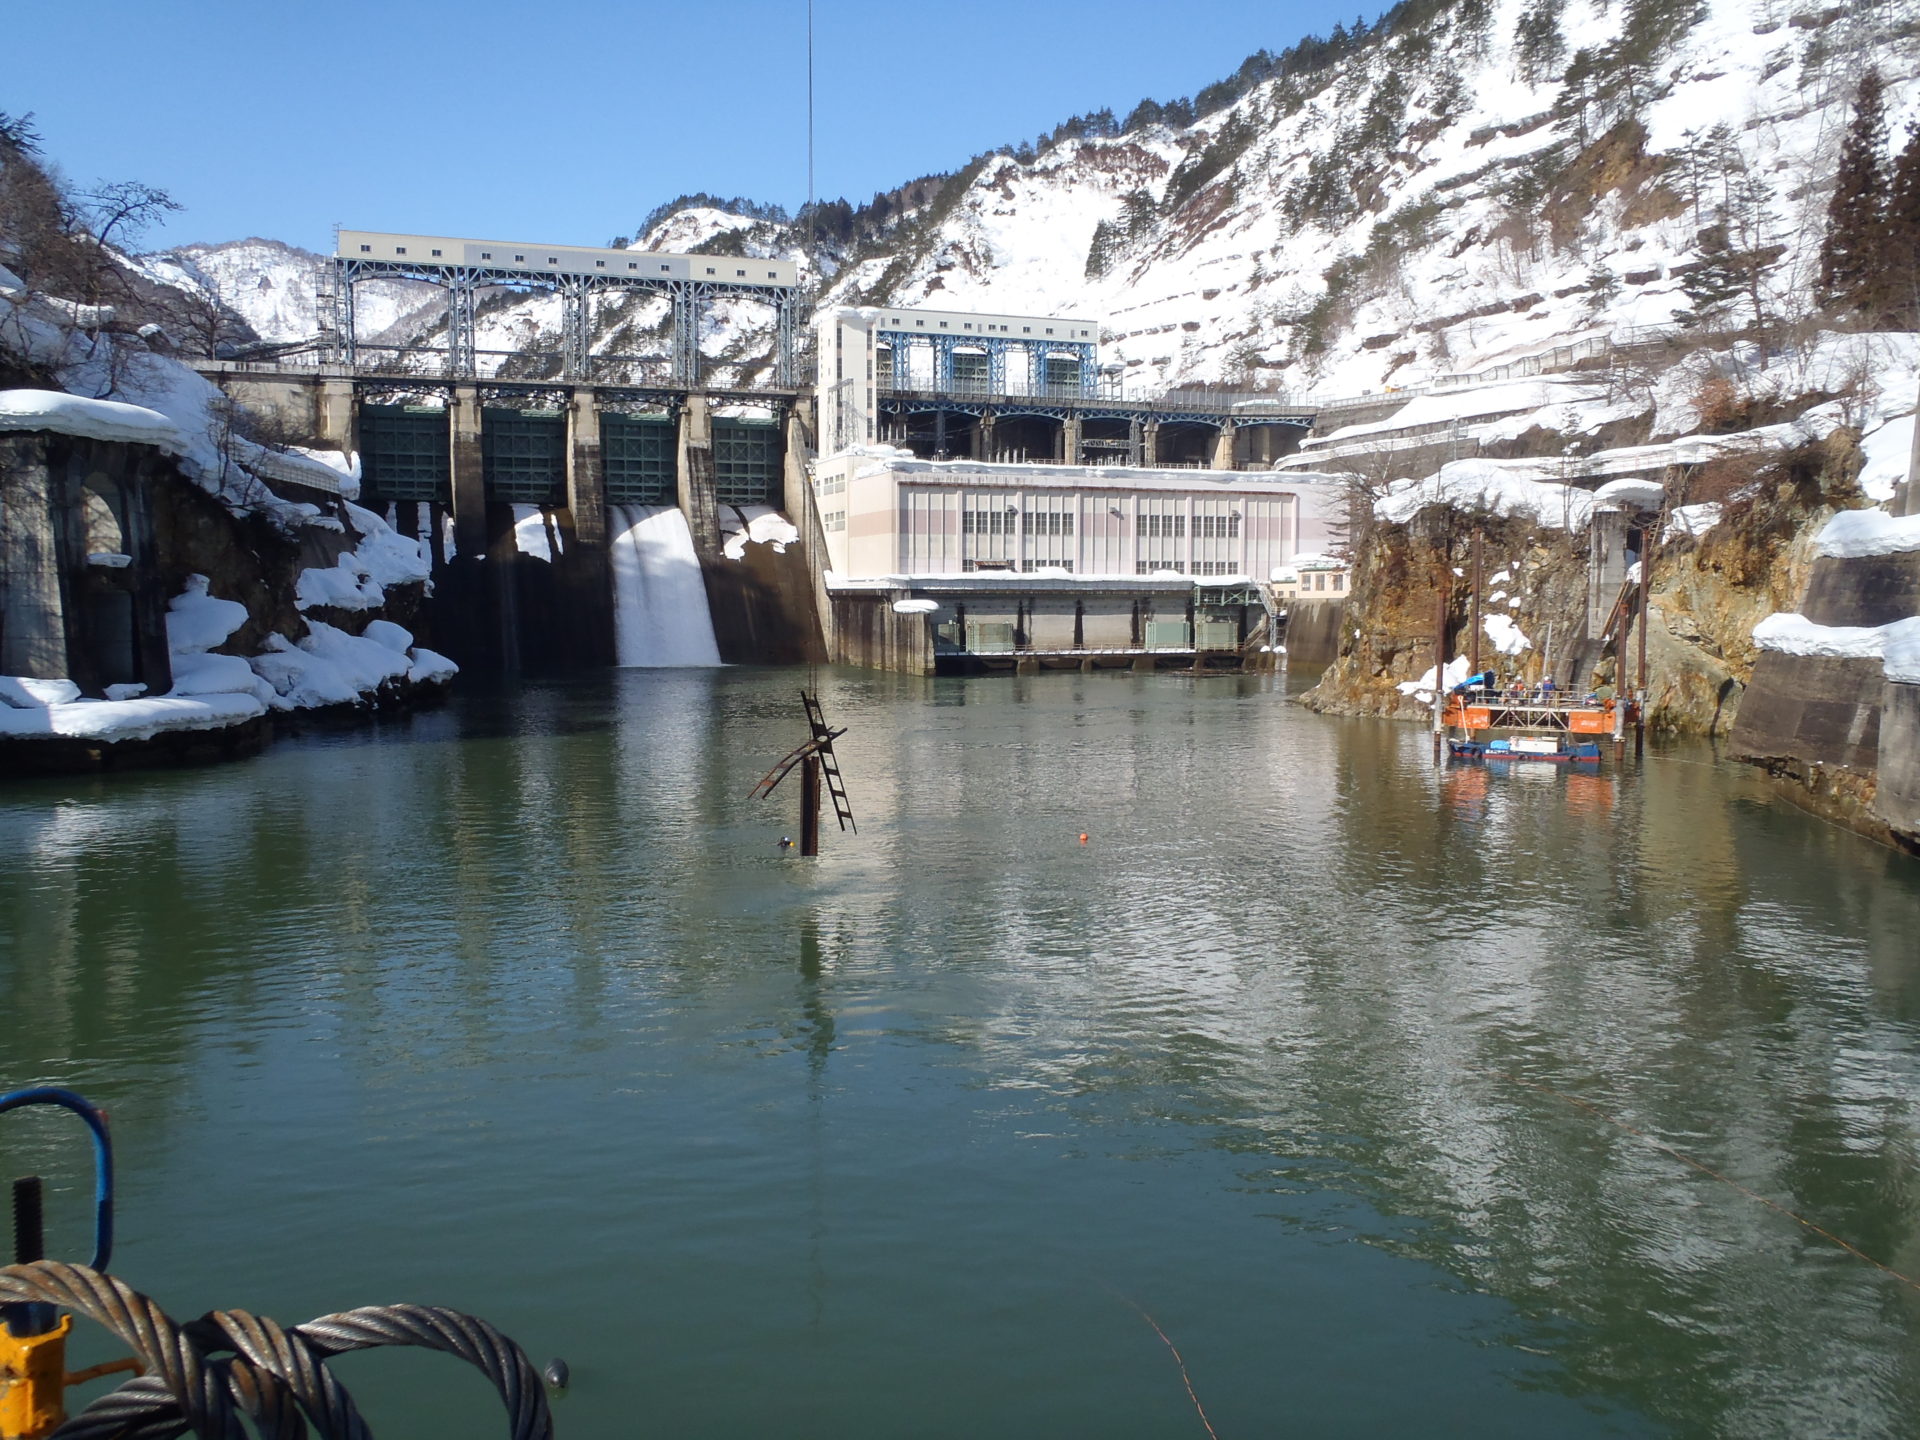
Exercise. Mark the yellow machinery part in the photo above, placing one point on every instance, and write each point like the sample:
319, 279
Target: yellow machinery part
33, 1375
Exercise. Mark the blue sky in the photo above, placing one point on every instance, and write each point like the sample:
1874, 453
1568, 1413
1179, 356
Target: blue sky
554, 119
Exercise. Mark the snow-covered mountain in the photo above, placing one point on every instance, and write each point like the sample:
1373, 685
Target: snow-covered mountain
1450, 195
1458, 187
272, 287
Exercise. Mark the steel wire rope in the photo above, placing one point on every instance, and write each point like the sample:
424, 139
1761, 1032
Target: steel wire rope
275, 1376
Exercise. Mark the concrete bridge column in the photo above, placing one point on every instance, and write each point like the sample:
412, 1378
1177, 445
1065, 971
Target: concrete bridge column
335, 415
1606, 566
1150, 444
1070, 440
696, 475
586, 481
469, 473
983, 438
1223, 449
33, 604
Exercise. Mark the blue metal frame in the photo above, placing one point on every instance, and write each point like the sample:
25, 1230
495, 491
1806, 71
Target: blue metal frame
96, 1122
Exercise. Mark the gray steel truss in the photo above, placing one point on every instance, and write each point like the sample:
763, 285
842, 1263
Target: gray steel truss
690, 301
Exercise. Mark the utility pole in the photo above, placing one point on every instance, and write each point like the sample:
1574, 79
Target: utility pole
1473, 636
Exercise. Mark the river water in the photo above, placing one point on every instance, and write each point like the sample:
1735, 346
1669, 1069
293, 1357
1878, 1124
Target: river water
1312, 1062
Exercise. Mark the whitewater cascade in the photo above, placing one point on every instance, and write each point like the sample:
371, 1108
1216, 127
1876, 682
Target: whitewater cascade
660, 615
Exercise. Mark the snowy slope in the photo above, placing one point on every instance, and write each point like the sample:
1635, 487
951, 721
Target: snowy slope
1478, 271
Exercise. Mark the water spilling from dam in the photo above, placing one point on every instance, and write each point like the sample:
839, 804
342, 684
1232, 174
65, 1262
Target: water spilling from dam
660, 615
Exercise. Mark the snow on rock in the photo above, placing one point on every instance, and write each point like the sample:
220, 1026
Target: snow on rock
1422, 689
205, 674
329, 667
1485, 485
92, 419
118, 720
1631, 492
1853, 534
431, 667
24, 692
358, 580
756, 525
1507, 637
385, 632
196, 621
1691, 521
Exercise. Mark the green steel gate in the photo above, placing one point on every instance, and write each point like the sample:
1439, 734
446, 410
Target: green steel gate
404, 453
747, 462
524, 455
638, 457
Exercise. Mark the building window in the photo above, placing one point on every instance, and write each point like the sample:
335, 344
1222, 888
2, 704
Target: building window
436, 254
1147, 567
633, 264
710, 270
1217, 527
665, 268
773, 274
741, 273
1162, 527
1029, 566
1339, 582
1026, 329
486, 254
519, 259
599, 264
1049, 522
366, 249
1049, 329
399, 249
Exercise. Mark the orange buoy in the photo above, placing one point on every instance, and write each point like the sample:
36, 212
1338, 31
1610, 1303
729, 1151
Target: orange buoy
1083, 837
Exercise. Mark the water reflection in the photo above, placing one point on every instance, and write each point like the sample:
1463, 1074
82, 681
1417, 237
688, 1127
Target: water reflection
535, 960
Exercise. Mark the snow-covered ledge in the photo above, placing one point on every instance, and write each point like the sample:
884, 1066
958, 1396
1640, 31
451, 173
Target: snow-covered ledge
114, 420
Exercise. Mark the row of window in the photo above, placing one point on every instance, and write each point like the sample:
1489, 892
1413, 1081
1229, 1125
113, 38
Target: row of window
988, 522
1159, 527
1214, 567
834, 519
1029, 566
1320, 580
1217, 527
555, 260
1147, 567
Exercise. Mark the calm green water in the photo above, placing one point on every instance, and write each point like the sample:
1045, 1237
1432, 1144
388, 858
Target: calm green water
516, 1007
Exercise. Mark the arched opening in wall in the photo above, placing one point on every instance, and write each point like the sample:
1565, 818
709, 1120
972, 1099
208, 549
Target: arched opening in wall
1026, 439
1185, 443
1107, 441
936, 434
1256, 447
112, 639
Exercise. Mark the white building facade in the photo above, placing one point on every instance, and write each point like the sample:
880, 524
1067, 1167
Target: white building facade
886, 513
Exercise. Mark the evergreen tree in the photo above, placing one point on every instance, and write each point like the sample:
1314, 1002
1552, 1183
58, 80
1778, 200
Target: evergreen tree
1106, 239
1903, 235
1852, 255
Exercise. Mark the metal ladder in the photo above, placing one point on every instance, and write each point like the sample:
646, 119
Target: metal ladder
829, 766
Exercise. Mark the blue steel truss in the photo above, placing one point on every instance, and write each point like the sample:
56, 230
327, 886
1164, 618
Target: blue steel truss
943, 345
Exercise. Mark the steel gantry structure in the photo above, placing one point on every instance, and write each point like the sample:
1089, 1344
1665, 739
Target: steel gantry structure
578, 276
